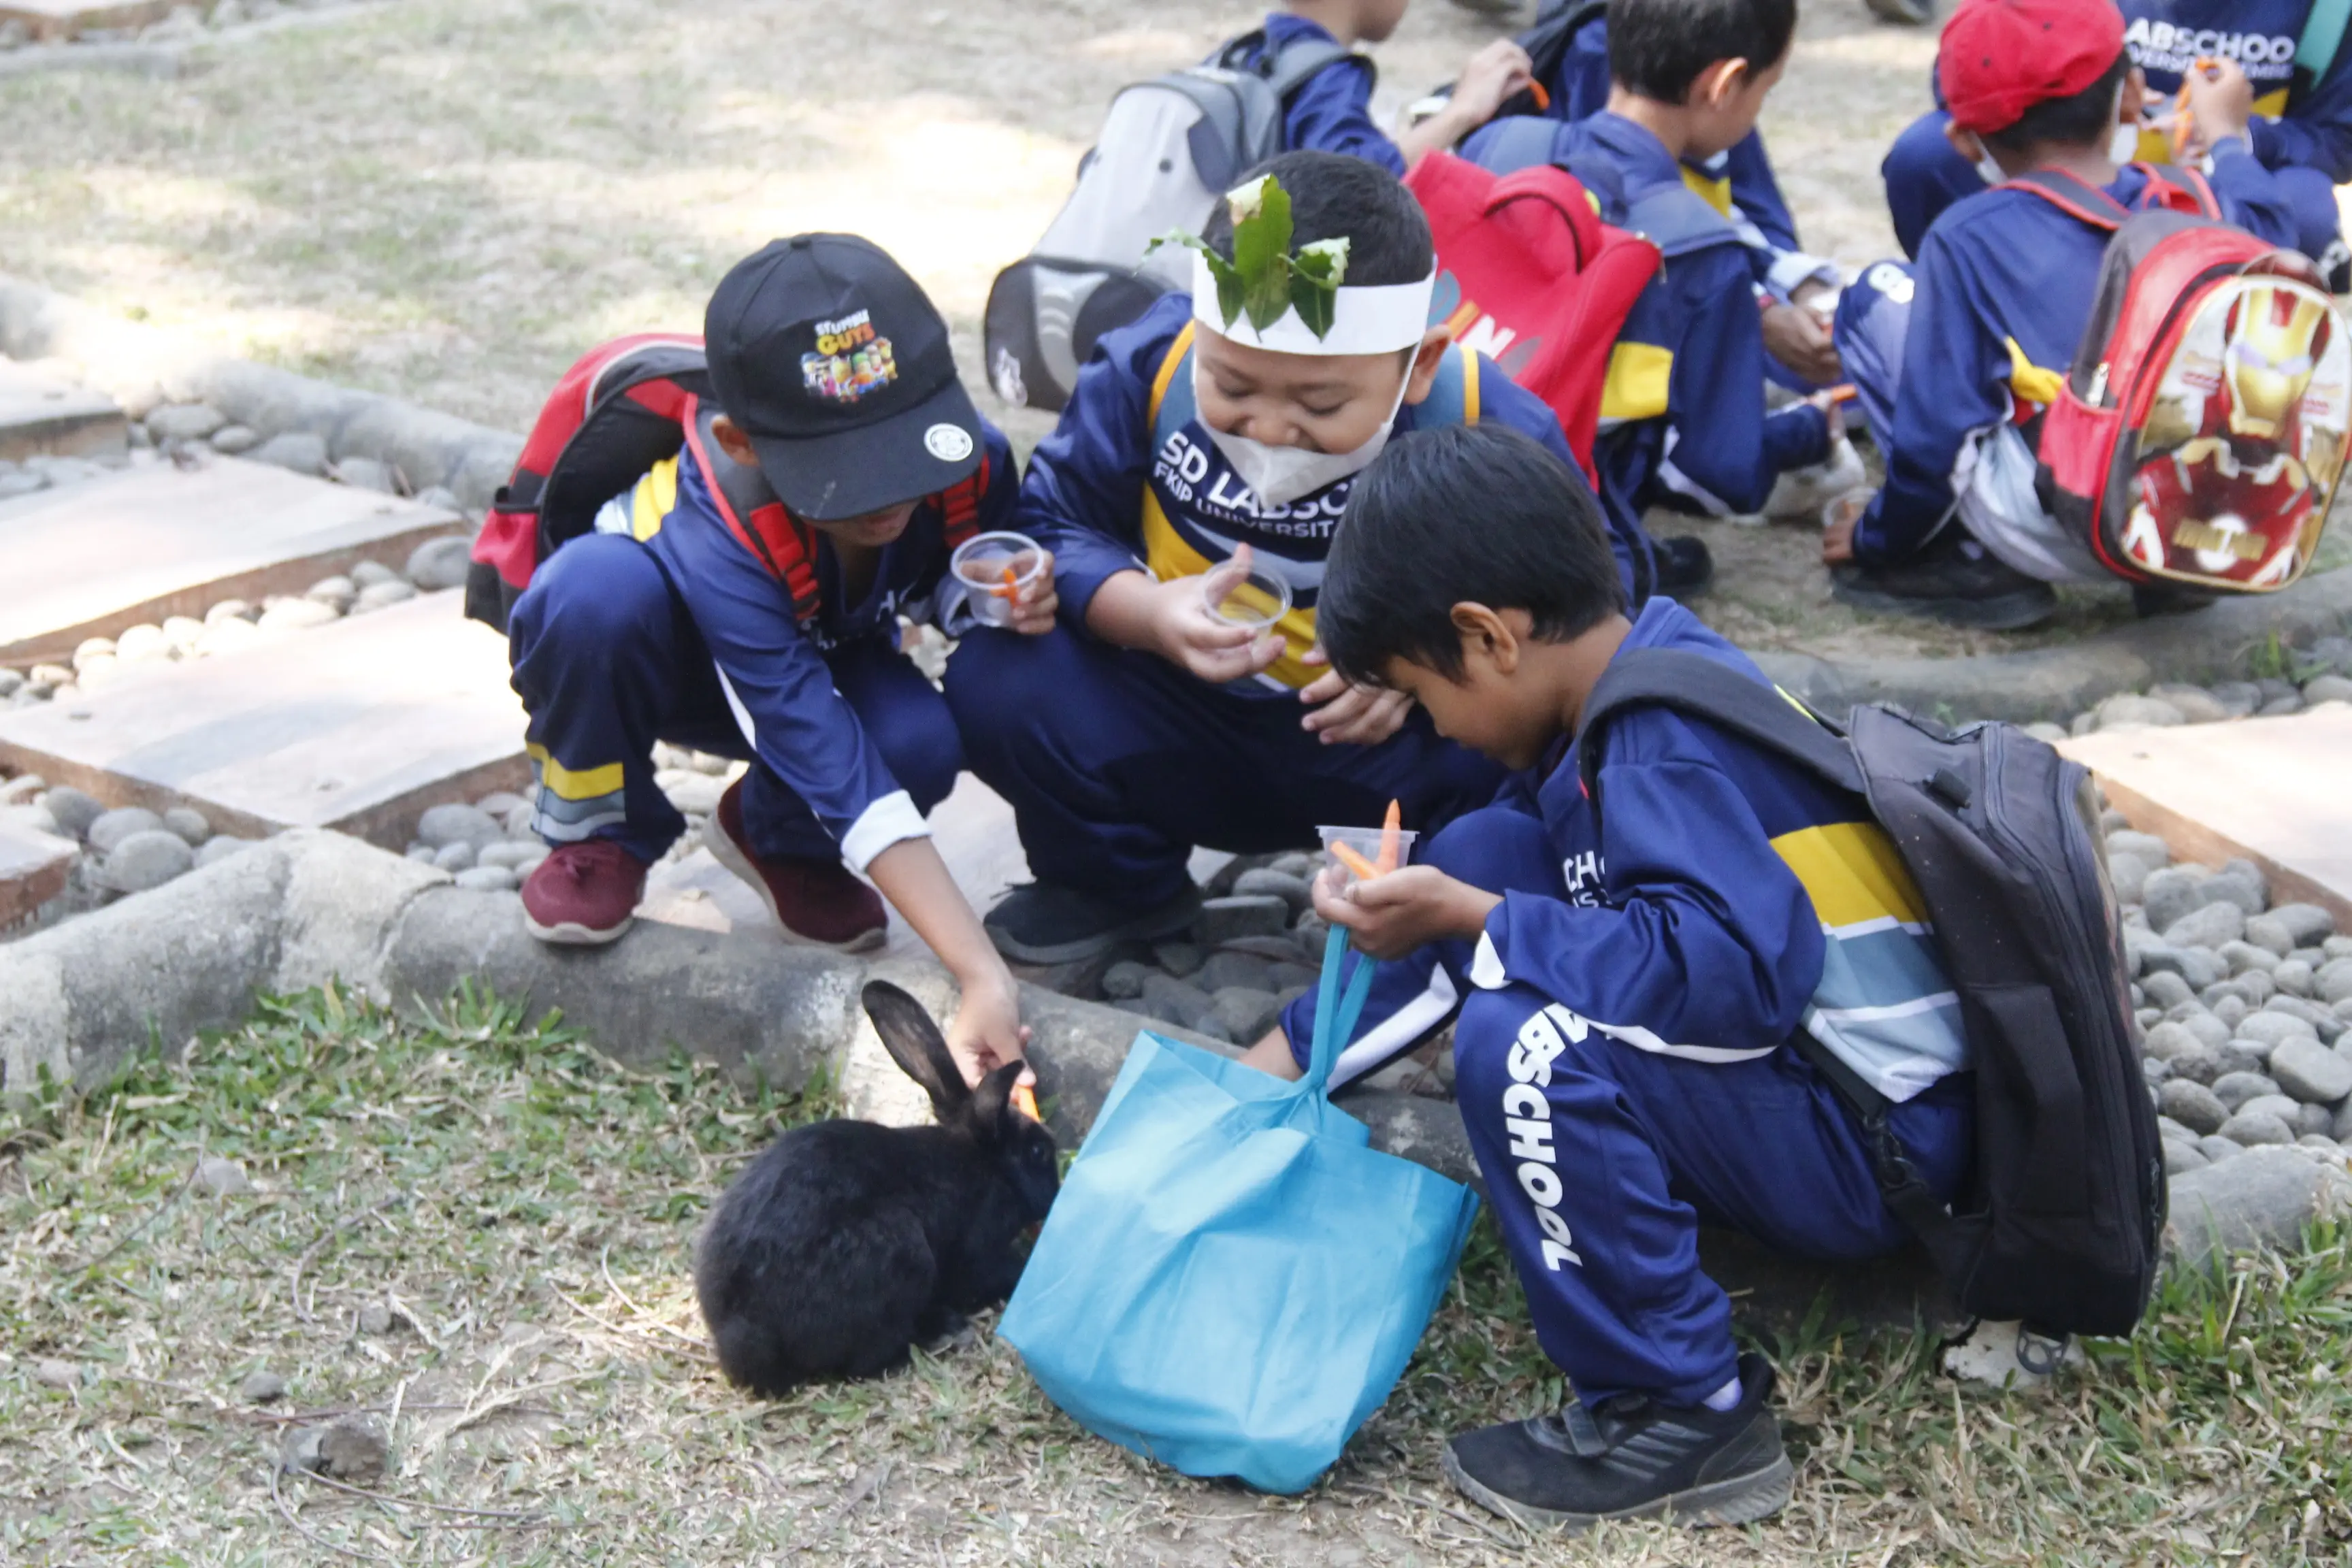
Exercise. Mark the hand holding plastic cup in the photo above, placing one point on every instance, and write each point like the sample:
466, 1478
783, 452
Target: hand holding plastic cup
1353, 854
1242, 594
995, 569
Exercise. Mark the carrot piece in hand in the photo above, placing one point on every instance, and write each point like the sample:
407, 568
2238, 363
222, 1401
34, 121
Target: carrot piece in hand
1390, 829
1024, 1100
1346, 855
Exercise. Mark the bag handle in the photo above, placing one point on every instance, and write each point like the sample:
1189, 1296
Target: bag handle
1540, 182
1336, 1013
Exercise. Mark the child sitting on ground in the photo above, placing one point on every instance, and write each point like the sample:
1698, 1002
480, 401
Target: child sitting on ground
1955, 360
1198, 442
744, 598
1331, 110
1683, 419
1625, 984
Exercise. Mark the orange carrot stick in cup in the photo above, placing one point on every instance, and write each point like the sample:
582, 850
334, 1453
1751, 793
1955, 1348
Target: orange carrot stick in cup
1011, 587
1346, 855
1390, 828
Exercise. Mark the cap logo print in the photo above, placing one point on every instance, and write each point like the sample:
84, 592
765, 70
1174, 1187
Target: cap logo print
947, 443
850, 360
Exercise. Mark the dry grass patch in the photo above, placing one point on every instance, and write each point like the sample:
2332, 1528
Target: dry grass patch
469, 1235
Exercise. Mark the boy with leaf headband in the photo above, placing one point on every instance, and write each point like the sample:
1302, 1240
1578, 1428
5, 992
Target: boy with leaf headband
1220, 433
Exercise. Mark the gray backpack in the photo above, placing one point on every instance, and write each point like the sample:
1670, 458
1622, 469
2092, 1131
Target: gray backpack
1169, 148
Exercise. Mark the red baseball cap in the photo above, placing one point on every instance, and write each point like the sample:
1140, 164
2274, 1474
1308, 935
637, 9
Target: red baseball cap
2000, 58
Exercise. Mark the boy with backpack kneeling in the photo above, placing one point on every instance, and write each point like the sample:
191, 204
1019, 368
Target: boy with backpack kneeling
1644, 972
1957, 361
743, 597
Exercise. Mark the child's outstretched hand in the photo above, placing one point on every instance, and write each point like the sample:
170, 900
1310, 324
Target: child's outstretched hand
1347, 714
1390, 916
2221, 104
1185, 631
1034, 603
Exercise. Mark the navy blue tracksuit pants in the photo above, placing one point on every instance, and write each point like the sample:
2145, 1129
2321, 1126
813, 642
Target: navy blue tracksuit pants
1601, 1159
1117, 763
607, 661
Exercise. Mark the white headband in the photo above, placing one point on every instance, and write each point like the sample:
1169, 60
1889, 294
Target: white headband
1380, 318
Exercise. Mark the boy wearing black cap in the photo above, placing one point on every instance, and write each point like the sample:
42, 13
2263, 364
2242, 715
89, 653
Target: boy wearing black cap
744, 596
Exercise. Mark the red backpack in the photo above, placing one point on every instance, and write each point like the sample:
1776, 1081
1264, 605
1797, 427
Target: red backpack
622, 407
1529, 276
2200, 431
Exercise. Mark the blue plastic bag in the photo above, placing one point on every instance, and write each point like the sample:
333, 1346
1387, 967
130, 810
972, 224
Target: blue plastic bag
1231, 1280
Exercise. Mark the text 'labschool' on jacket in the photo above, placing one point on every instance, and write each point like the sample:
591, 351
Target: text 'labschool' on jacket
1723, 902
1681, 415
2000, 294
771, 650
1131, 478
2303, 115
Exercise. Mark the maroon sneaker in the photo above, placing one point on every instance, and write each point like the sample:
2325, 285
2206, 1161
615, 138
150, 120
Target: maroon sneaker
820, 902
583, 895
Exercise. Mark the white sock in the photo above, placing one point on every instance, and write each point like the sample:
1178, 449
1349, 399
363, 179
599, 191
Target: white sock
1725, 1397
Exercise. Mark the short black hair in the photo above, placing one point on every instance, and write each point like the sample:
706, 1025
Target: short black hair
1480, 513
2084, 119
1657, 48
1335, 196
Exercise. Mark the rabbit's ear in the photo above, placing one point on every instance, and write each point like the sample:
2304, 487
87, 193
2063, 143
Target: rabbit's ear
916, 1044
992, 1103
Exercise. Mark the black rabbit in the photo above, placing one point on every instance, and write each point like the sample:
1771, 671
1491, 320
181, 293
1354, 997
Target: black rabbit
846, 1241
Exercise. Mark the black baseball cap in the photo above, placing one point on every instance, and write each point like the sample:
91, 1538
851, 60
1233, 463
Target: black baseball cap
832, 361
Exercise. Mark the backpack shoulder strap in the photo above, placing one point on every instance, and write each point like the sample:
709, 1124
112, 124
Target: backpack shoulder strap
2172, 188
1171, 407
1454, 396
1678, 220
1287, 69
1517, 142
2323, 36
960, 503
1701, 687
756, 517
2077, 198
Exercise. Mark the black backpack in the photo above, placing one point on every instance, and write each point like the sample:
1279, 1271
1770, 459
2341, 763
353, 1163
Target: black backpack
1170, 149
2061, 1224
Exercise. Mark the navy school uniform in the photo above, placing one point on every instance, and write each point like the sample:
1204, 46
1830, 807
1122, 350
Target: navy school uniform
671, 628
1620, 1029
2302, 131
1982, 331
1739, 184
1116, 761
1681, 414
1332, 110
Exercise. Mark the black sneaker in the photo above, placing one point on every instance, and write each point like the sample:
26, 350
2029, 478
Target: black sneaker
1632, 1457
2169, 599
1954, 579
1684, 566
1047, 923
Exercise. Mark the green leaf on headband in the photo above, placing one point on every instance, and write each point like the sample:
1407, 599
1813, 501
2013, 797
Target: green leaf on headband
1263, 280
1315, 273
1261, 213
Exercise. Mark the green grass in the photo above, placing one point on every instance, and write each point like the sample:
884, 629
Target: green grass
525, 1210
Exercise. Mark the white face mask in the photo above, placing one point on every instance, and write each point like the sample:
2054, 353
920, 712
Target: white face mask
1990, 172
1281, 475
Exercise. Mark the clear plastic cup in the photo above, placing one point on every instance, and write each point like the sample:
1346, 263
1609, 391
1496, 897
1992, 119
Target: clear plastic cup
1248, 596
1364, 841
980, 563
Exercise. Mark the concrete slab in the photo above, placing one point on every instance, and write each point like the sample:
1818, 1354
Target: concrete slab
40, 413
52, 21
33, 868
357, 726
2273, 791
91, 558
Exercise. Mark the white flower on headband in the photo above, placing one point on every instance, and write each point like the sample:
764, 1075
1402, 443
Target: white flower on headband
1265, 277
